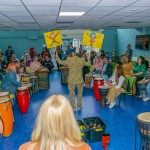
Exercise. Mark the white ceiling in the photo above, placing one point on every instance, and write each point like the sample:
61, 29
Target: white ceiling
99, 14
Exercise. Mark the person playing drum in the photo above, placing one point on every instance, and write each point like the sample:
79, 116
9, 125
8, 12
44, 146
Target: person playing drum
35, 65
9, 82
147, 79
117, 84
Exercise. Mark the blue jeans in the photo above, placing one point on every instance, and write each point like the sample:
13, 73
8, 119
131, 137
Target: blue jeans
148, 89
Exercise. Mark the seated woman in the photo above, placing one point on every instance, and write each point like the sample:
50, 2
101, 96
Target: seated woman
117, 84
147, 79
127, 66
48, 63
9, 82
139, 71
98, 64
35, 65
58, 130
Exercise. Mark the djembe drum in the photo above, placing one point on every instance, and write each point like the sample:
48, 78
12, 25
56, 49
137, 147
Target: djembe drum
88, 79
64, 74
25, 78
103, 90
43, 78
143, 121
98, 82
6, 114
23, 99
142, 88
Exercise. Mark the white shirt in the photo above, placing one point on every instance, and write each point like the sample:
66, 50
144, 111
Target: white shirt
120, 82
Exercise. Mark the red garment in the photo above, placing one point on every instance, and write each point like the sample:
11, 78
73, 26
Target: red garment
32, 52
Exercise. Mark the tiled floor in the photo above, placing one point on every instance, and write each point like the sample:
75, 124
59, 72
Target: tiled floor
120, 122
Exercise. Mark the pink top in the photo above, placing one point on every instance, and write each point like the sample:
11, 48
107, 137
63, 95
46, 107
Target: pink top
97, 63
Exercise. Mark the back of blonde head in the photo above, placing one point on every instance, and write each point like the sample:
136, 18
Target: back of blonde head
56, 127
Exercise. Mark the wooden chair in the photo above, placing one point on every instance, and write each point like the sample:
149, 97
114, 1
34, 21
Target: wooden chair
131, 82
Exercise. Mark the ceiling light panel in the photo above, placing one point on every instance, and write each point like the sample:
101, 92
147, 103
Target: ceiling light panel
10, 2
116, 2
12, 8
80, 3
42, 8
42, 2
71, 13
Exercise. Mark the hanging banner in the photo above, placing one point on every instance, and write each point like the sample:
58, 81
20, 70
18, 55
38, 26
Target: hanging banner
53, 38
93, 39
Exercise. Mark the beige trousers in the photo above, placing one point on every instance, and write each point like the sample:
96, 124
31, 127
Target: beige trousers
113, 93
72, 87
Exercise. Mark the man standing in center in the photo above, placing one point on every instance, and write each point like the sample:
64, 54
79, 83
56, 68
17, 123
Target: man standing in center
75, 79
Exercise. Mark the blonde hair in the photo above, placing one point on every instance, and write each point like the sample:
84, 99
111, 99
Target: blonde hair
56, 127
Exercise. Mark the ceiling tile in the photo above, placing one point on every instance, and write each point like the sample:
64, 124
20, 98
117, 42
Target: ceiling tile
11, 8
10, 2
107, 9
42, 2
15, 13
79, 3
142, 3
44, 13
116, 2
42, 8
75, 9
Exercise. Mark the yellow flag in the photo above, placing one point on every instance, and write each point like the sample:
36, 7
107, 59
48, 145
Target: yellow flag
53, 38
93, 39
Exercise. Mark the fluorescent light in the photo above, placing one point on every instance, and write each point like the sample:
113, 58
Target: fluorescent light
71, 13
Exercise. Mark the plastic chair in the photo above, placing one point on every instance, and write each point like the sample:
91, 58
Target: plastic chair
132, 81
113, 66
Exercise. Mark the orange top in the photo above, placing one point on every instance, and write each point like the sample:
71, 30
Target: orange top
127, 68
36, 146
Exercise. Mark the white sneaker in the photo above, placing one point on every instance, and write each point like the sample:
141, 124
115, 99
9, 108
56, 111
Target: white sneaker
146, 99
112, 105
140, 96
107, 103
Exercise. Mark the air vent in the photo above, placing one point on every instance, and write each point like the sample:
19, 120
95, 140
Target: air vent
133, 22
64, 22
114, 26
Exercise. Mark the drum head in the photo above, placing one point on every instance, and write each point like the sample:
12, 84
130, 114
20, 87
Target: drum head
96, 75
22, 88
98, 79
145, 117
103, 87
4, 97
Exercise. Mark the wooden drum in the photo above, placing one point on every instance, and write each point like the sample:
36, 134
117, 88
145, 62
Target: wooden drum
23, 99
143, 121
25, 78
6, 114
103, 90
88, 80
64, 74
43, 79
98, 82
